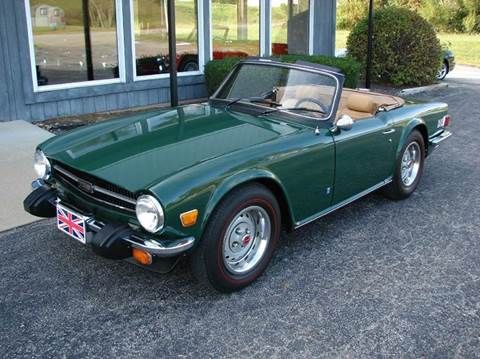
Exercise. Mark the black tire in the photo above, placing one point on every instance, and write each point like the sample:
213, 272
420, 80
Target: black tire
189, 64
207, 260
397, 189
443, 72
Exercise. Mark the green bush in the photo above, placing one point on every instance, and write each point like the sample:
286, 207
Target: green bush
447, 17
406, 48
444, 15
217, 70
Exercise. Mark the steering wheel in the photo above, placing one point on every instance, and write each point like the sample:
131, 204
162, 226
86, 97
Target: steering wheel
315, 101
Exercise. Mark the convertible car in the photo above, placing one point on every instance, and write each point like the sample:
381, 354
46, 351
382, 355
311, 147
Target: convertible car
276, 147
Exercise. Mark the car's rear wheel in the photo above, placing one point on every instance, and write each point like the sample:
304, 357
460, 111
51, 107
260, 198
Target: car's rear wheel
409, 168
443, 72
239, 239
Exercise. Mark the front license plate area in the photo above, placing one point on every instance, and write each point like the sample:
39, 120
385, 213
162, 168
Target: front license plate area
71, 223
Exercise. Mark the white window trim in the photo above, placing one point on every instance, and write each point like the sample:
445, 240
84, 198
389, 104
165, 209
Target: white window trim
263, 28
210, 26
311, 22
311, 18
200, 50
70, 85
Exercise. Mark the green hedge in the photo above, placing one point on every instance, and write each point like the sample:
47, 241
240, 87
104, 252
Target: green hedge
406, 49
217, 70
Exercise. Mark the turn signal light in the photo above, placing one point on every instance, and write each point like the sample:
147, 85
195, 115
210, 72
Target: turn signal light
142, 256
189, 218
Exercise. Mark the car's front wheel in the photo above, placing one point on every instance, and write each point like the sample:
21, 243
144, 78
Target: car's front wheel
239, 239
409, 168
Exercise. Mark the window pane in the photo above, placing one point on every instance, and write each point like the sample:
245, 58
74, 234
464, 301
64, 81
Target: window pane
151, 36
61, 46
290, 24
235, 28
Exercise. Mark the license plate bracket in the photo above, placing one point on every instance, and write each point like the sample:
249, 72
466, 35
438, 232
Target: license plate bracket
71, 223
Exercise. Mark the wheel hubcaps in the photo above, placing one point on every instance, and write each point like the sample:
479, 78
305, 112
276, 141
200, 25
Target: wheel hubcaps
411, 163
246, 239
442, 72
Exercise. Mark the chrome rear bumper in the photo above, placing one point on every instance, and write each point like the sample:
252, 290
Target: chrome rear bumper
440, 138
435, 141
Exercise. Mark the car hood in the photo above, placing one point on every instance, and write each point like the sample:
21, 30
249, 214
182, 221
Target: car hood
139, 151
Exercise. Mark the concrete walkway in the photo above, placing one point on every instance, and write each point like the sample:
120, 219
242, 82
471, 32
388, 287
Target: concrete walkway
18, 140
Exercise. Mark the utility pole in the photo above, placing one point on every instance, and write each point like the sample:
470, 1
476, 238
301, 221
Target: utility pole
368, 75
172, 53
88, 41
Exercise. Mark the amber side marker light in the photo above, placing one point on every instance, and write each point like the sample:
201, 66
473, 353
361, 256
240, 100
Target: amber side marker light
189, 218
142, 256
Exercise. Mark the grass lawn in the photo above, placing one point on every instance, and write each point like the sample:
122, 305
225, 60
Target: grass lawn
465, 47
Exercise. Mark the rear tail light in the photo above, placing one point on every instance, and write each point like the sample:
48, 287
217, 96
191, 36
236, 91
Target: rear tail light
445, 121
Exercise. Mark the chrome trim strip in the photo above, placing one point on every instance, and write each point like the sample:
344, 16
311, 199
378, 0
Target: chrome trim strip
95, 187
442, 137
343, 203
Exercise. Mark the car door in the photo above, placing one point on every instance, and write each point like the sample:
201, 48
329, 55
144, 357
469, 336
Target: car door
364, 156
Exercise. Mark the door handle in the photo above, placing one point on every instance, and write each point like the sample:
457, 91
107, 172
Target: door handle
387, 132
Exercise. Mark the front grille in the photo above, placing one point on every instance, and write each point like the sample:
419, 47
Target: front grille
95, 188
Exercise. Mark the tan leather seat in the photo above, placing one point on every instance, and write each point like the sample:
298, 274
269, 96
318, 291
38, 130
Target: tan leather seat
360, 105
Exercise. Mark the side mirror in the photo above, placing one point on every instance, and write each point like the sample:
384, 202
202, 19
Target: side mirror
345, 122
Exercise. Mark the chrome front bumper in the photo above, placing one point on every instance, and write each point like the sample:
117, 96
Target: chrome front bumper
152, 246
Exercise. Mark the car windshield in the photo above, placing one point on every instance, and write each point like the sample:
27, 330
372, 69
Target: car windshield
280, 89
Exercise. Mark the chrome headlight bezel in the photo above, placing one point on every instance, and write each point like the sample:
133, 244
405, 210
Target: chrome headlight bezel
42, 165
149, 213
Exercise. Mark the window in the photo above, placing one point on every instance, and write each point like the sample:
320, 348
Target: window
151, 36
290, 27
235, 28
77, 45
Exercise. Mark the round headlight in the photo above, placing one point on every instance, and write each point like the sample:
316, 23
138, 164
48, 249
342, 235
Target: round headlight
41, 165
149, 213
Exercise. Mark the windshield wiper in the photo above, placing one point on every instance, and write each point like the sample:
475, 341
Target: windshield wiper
249, 99
264, 97
291, 109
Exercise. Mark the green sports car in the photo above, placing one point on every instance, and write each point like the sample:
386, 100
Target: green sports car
276, 147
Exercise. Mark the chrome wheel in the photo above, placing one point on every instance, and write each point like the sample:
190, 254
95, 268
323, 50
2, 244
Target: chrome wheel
411, 162
246, 239
442, 72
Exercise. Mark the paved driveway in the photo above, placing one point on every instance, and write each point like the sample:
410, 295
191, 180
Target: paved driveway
375, 278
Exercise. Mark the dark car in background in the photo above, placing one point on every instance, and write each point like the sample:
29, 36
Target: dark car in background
448, 64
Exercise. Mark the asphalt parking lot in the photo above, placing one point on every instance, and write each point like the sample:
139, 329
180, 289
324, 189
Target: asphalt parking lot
377, 278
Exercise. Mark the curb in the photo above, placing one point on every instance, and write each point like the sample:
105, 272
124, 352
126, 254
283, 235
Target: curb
415, 90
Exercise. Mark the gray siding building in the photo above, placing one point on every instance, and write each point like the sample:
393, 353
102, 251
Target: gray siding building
71, 57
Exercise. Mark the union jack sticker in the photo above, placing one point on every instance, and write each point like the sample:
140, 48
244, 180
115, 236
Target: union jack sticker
71, 223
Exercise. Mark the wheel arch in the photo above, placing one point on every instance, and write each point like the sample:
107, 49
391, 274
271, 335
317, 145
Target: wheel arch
261, 177
416, 124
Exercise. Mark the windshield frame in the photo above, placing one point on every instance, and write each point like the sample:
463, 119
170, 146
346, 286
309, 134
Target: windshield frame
307, 67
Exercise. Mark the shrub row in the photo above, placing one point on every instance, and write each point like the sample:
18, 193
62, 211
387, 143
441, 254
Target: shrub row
217, 70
